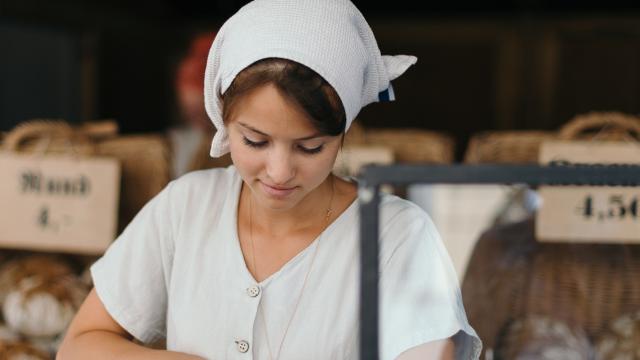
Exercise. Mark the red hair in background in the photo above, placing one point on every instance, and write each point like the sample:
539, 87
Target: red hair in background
190, 82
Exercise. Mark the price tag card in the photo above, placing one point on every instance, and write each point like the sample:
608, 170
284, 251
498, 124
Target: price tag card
352, 158
589, 214
58, 203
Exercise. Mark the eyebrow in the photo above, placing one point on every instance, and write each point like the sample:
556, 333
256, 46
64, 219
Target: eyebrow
316, 135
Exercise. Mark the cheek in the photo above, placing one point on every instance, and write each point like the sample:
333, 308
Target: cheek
319, 167
250, 163
245, 160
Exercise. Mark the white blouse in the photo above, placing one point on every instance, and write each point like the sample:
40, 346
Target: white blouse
177, 271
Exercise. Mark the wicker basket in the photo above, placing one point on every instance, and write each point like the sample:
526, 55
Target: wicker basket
518, 147
144, 158
506, 147
408, 145
512, 276
602, 126
145, 169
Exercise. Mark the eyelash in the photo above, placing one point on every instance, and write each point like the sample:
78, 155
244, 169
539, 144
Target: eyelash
263, 143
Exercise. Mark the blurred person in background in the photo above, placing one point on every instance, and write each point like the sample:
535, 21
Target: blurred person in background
190, 140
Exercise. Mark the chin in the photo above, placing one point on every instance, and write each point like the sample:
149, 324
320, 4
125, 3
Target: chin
276, 202
279, 204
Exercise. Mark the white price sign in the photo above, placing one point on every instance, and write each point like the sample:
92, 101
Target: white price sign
589, 214
58, 203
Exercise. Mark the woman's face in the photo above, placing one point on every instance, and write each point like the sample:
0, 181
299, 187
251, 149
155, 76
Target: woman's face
276, 149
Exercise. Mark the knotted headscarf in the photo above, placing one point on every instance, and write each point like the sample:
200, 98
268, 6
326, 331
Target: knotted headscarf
330, 37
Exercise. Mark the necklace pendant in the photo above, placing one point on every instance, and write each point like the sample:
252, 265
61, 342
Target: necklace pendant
328, 216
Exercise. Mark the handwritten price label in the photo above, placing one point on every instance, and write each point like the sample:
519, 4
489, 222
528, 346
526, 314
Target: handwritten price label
58, 203
48, 220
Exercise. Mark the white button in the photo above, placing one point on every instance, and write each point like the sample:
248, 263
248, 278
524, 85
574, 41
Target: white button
242, 346
253, 290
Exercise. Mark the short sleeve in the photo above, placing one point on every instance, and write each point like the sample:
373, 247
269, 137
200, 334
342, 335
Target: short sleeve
132, 277
419, 291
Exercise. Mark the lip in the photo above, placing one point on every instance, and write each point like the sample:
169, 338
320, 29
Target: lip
277, 192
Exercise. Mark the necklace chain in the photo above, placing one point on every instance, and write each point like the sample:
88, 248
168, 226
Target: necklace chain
304, 284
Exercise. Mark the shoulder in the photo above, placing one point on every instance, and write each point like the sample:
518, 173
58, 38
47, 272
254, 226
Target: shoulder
201, 179
196, 200
396, 211
202, 183
402, 224
212, 185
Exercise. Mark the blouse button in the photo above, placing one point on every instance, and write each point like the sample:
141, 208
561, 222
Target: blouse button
242, 346
253, 290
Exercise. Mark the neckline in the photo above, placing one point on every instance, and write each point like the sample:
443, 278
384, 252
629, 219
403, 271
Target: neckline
237, 249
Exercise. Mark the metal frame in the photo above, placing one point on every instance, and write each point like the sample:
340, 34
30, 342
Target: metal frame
372, 177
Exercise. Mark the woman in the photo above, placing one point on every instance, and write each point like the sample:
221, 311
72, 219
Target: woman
260, 260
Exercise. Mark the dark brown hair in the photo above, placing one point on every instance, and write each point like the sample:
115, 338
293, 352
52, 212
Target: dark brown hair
296, 82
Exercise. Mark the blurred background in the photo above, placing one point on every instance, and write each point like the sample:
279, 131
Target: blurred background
495, 81
527, 64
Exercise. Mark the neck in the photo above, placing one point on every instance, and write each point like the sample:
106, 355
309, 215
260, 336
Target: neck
310, 212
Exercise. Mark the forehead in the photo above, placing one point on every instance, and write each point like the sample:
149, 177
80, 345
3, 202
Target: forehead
267, 110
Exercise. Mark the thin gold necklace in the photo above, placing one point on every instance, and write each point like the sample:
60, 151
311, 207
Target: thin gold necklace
304, 284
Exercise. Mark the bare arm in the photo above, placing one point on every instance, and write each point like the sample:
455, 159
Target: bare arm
94, 334
441, 350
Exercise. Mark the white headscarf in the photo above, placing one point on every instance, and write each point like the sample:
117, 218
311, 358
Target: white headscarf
330, 37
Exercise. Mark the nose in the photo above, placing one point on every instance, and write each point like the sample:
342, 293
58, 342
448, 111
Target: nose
280, 167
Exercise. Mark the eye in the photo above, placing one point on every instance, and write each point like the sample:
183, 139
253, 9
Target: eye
254, 144
311, 151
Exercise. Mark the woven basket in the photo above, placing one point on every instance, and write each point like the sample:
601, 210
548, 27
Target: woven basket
518, 147
506, 147
144, 159
145, 170
602, 126
48, 137
408, 145
512, 276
